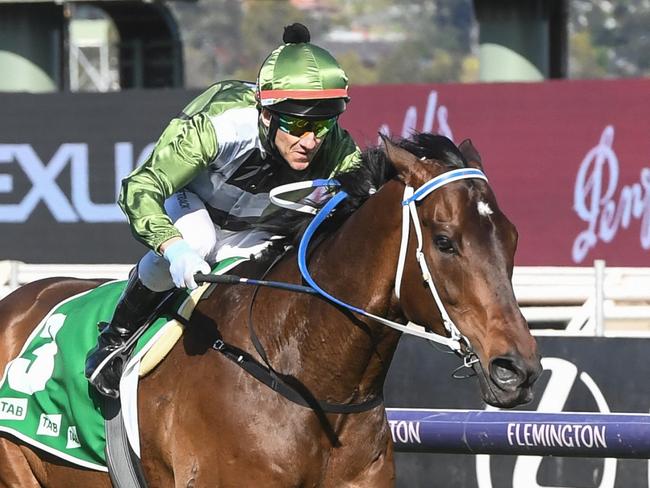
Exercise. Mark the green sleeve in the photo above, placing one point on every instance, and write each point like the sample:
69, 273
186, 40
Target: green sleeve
185, 148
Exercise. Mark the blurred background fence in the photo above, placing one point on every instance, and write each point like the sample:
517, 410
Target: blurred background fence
570, 301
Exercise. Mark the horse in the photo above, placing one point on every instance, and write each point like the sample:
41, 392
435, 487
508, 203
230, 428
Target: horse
205, 421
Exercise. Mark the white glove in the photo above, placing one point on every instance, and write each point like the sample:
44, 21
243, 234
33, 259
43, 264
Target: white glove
184, 262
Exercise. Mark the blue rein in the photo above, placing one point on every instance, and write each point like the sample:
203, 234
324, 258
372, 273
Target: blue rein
303, 247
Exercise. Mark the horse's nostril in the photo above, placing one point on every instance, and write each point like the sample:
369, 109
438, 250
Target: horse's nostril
505, 372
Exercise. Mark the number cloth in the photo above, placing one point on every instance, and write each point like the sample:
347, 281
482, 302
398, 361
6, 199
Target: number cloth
45, 400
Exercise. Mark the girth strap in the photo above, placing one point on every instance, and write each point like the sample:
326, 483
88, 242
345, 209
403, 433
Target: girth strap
296, 394
265, 373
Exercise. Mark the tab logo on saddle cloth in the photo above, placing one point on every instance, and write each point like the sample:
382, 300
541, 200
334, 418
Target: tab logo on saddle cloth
73, 438
13, 408
50, 424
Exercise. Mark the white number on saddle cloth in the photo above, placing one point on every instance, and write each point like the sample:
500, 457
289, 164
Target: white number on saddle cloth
28, 376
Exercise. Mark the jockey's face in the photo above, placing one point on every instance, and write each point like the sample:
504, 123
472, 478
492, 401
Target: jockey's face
297, 151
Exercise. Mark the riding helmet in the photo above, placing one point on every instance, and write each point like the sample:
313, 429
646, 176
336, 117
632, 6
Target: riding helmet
301, 79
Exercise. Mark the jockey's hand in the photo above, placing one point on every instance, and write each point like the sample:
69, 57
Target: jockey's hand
184, 262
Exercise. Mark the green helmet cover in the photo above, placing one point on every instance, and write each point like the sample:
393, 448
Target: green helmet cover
302, 79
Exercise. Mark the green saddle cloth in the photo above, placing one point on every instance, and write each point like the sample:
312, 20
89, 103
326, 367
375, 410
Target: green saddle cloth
45, 399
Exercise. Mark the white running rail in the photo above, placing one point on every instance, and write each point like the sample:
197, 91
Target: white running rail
594, 300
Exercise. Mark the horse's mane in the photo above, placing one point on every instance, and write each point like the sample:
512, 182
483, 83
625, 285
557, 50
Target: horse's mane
361, 182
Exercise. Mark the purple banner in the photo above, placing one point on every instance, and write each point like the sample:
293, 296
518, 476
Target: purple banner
521, 433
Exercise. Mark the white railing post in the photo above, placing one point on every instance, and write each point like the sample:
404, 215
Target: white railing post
599, 303
13, 274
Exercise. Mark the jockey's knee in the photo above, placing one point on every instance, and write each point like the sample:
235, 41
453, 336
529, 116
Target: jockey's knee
153, 271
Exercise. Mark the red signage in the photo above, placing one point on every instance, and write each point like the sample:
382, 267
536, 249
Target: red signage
569, 161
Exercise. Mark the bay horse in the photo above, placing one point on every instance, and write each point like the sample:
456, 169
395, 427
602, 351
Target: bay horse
205, 422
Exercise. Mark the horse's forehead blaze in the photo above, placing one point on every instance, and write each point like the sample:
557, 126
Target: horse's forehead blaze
459, 203
484, 209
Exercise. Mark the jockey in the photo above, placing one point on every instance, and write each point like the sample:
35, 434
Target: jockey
194, 201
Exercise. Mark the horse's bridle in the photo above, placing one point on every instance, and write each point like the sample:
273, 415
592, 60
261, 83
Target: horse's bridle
456, 341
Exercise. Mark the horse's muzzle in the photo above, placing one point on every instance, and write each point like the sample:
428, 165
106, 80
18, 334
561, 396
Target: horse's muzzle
509, 380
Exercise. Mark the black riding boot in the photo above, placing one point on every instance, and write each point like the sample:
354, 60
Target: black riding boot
104, 363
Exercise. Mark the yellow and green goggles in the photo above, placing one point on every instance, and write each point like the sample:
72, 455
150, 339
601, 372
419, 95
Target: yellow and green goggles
297, 126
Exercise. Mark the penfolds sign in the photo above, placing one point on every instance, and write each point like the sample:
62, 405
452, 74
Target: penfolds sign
569, 160
605, 207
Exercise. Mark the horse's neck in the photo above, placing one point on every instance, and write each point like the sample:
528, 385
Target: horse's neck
349, 354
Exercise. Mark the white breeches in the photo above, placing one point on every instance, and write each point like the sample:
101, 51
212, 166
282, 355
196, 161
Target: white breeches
190, 217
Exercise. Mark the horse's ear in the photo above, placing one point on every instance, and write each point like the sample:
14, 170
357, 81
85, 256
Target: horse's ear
404, 162
470, 154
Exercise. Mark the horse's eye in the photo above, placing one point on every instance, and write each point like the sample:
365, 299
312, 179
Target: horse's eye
445, 244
